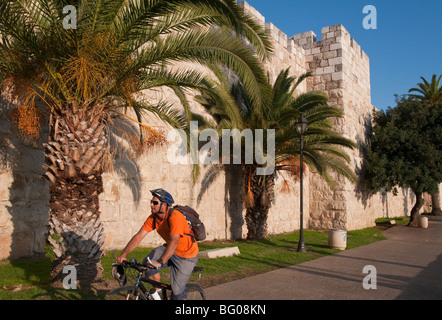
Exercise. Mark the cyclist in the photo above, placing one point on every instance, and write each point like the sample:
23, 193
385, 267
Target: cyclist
180, 252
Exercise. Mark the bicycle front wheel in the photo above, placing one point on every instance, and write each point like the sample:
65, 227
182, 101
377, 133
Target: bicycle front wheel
195, 292
127, 293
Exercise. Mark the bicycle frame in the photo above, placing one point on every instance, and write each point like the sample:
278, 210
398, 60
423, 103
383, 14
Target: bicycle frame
139, 286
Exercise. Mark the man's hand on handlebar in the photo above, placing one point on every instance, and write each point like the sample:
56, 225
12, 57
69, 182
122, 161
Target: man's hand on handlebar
120, 259
153, 264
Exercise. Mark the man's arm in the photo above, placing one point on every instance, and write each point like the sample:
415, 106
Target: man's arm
132, 245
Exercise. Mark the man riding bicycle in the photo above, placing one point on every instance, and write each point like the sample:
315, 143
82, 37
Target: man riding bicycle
180, 251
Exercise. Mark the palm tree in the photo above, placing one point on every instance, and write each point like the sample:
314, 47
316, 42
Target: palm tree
85, 75
322, 145
431, 93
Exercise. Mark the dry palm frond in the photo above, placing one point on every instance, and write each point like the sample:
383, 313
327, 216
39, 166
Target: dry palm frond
249, 199
27, 118
292, 166
153, 137
285, 186
265, 200
150, 136
108, 159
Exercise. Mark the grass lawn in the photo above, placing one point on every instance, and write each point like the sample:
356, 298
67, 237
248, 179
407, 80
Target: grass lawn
255, 257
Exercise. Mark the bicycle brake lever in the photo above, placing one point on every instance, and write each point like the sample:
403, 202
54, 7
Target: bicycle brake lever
152, 264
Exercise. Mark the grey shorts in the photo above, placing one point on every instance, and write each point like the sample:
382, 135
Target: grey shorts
180, 271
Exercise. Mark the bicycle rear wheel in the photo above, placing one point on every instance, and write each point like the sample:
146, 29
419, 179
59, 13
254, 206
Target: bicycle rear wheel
195, 292
126, 293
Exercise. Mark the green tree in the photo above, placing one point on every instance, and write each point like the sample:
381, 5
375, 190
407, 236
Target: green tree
405, 150
322, 145
430, 93
85, 68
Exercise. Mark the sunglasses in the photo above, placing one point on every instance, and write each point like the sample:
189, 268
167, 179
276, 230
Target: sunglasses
154, 202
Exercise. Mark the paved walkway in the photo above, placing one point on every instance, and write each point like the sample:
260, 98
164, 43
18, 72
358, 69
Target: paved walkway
408, 266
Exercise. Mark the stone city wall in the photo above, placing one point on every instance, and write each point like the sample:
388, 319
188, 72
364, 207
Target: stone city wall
342, 69
339, 68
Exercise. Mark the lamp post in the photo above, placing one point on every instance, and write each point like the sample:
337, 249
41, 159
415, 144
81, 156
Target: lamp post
301, 127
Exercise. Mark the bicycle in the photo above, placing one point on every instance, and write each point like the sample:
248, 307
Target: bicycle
138, 291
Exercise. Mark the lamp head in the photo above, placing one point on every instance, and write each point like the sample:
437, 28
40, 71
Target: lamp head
301, 125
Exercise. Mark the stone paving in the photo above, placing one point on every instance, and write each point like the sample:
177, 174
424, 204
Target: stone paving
405, 266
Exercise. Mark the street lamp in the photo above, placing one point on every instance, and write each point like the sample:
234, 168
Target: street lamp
301, 127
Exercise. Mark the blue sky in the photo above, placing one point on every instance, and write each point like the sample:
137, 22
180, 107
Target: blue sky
406, 45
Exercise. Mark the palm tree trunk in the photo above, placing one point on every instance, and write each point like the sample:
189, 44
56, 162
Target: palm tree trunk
258, 197
414, 215
76, 232
76, 145
435, 203
256, 220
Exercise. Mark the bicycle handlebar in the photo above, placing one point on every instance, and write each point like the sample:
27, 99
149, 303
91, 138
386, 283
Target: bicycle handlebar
133, 263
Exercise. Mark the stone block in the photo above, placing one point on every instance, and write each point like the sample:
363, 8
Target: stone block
7, 180
330, 35
219, 252
329, 69
111, 190
324, 63
335, 61
337, 76
335, 46
319, 71
325, 48
5, 245
316, 50
330, 54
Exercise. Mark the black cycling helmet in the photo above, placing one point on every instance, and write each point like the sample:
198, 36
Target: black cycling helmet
163, 195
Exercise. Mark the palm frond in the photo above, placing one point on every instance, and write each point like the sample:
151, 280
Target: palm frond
430, 92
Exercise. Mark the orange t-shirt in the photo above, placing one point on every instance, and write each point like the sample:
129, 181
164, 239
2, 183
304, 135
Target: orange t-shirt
175, 224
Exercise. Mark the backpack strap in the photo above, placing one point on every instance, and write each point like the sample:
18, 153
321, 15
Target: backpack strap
169, 212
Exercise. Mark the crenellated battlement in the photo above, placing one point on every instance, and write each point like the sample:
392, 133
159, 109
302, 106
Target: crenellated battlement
336, 61
330, 35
